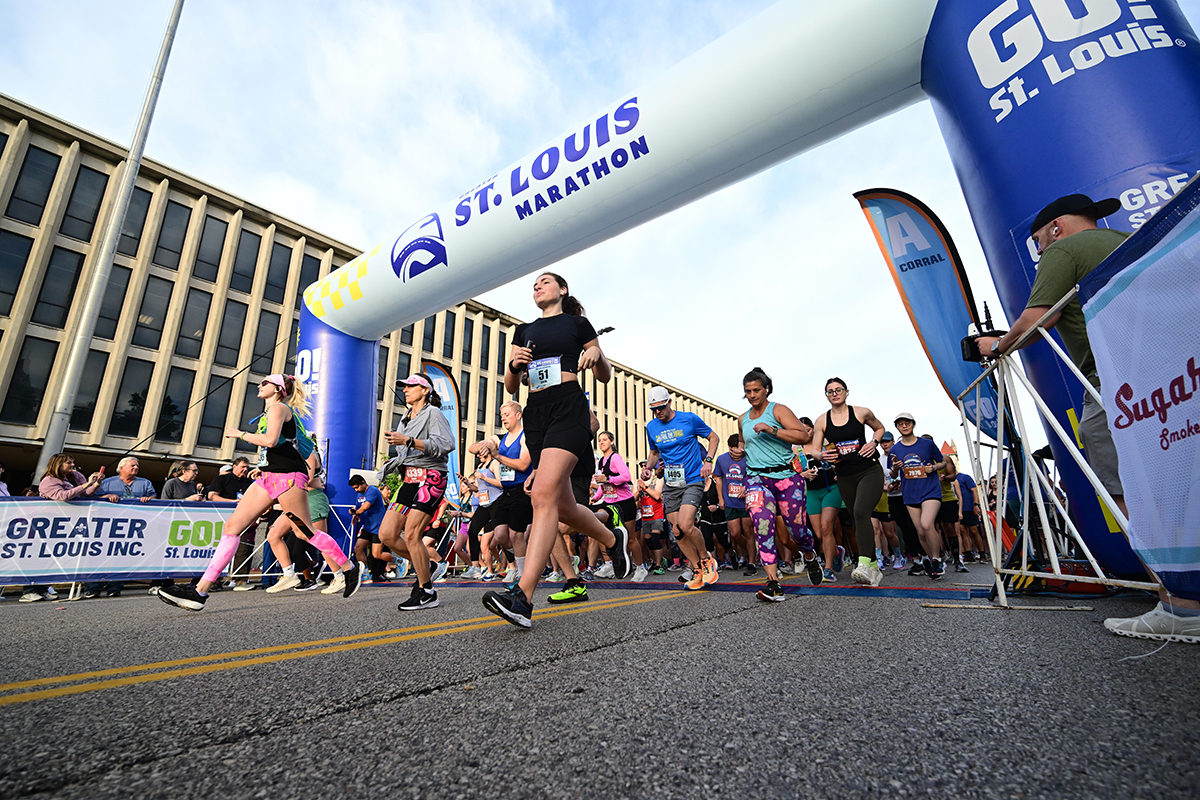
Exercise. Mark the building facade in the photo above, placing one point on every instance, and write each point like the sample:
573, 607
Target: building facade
202, 303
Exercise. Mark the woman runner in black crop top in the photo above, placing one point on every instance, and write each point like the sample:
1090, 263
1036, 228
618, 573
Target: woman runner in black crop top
551, 352
856, 459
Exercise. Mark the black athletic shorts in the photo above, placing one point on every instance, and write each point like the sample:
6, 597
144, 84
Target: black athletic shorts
513, 508
882, 516
481, 521
559, 417
370, 536
971, 520
948, 512
581, 486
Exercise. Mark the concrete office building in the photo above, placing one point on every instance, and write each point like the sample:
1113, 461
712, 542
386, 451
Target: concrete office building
202, 303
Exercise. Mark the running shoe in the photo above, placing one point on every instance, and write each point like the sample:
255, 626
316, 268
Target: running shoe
338, 584
658, 569
511, 574
813, 567
1158, 623
708, 571
511, 606
867, 574
828, 577
401, 568
605, 571
961, 567
686, 575
489, 577
622, 564
34, 597
917, 568
898, 562
772, 592
880, 563
696, 581
674, 567
750, 571
245, 586
640, 574
470, 574
184, 596
935, 568
419, 599
547, 572
437, 569
725, 566
786, 568
285, 582
839, 560
308, 585
553, 577
573, 592
614, 517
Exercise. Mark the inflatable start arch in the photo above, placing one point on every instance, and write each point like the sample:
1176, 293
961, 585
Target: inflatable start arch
1035, 98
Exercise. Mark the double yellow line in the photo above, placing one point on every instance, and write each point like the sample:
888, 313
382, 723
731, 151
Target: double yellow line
83, 682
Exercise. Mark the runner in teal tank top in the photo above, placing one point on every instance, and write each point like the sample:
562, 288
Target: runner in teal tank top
773, 486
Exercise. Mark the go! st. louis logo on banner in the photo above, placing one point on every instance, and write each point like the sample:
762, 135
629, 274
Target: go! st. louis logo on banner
44, 541
1141, 307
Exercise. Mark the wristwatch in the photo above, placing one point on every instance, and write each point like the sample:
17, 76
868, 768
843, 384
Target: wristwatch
708, 460
995, 346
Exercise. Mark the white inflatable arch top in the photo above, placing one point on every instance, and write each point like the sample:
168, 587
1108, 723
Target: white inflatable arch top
801, 73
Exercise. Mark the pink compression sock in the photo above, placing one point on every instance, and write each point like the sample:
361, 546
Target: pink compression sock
220, 560
328, 547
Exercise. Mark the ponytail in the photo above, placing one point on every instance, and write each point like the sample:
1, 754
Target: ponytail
570, 303
295, 395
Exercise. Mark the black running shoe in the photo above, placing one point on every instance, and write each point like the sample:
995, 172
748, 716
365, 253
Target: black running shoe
184, 596
419, 599
353, 578
772, 592
622, 564
813, 568
961, 567
917, 568
511, 606
936, 569
750, 570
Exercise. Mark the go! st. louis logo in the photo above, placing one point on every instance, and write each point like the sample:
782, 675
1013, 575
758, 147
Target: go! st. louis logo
1016, 34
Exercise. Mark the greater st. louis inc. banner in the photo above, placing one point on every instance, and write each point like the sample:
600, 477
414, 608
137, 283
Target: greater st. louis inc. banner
1142, 307
934, 289
45, 541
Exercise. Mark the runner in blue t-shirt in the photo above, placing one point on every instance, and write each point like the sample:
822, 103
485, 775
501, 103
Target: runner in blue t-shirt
917, 461
970, 532
673, 440
730, 474
368, 512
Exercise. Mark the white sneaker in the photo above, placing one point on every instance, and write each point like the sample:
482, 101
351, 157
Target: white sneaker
32, 597
554, 577
1158, 623
898, 562
606, 571
284, 583
51, 594
640, 573
867, 574
244, 586
511, 575
337, 585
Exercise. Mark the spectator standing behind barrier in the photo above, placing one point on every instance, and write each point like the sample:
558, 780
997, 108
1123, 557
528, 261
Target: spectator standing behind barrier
61, 482
3, 485
126, 485
182, 483
1071, 246
230, 486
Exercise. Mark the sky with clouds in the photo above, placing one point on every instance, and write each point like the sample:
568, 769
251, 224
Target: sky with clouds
353, 117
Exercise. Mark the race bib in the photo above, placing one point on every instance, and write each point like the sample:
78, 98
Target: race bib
915, 473
755, 498
482, 497
545, 372
507, 473
610, 493
737, 491
847, 448
676, 476
414, 474
262, 457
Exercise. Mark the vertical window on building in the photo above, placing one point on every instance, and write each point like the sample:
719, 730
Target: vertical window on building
381, 378
403, 365
14, 255
89, 390
135, 222
58, 288
216, 408
212, 242
289, 365
30, 378
485, 343
171, 235
468, 341
131, 398
499, 402
245, 261
464, 388
264, 342
3, 142
502, 352
252, 407
406, 335
195, 321
33, 186
428, 333
153, 313
113, 302
277, 272
233, 328
448, 335
173, 413
79, 221
481, 401
310, 271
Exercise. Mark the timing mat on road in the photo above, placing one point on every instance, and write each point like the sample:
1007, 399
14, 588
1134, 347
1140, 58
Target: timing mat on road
829, 590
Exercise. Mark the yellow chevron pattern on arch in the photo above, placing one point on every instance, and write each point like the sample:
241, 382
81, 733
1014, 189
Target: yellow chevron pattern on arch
340, 288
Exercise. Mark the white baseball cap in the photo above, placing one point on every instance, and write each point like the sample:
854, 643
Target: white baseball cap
657, 396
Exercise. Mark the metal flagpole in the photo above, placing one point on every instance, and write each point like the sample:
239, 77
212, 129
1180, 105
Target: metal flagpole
56, 434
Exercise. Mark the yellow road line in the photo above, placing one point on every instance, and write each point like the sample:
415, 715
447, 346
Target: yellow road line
430, 631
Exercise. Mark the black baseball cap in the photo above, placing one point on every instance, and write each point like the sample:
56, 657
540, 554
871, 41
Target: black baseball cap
1074, 204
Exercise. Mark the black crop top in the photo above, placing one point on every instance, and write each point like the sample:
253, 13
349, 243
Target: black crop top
562, 335
849, 437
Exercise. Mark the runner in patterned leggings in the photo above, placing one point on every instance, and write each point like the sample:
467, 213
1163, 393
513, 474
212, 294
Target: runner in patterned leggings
773, 486
840, 435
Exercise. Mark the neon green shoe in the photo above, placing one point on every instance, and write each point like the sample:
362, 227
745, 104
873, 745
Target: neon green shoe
573, 592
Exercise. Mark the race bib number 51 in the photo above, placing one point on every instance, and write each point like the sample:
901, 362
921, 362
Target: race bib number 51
545, 372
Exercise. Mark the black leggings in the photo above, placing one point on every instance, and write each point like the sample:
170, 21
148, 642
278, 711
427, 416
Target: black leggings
861, 493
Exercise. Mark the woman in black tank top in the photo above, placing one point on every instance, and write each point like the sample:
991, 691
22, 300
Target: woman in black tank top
842, 431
